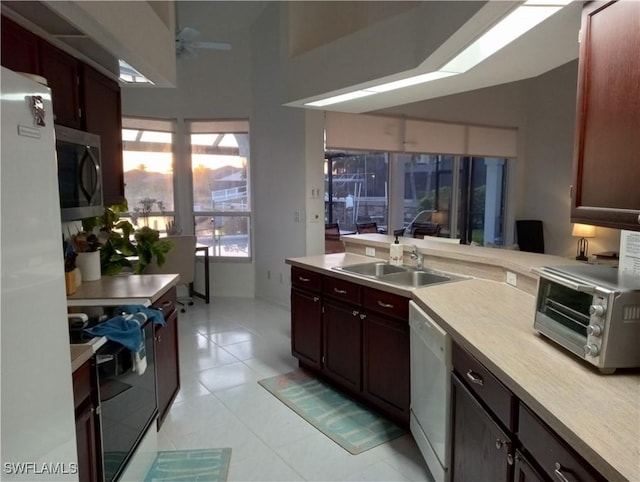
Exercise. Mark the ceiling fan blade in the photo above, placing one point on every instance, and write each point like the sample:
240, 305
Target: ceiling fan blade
186, 52
211, 45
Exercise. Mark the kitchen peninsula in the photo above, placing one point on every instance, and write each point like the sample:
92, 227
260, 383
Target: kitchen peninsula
598, 416
100, 437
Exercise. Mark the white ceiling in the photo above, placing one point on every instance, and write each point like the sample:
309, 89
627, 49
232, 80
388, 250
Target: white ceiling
549, 45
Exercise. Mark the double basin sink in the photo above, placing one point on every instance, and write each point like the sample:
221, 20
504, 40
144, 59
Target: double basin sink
405, 276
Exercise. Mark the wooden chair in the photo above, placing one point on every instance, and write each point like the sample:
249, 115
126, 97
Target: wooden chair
420, 230
332, 243
363, 228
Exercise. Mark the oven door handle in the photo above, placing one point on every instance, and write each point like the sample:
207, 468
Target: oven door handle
568, 283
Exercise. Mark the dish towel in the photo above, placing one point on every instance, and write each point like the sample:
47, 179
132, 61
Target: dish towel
126, 330
156, 316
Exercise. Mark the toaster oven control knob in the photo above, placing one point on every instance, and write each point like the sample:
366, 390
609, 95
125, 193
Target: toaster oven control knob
591, 350
594, 330
597, 310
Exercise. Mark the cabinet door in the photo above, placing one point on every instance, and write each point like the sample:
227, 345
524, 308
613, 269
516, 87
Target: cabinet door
88, 452
168, 366
102, 115
88, 436
343, 344
167, 355
62, 73
480, 448
524, 471
607, 147
386, 364
19, 48
306, 327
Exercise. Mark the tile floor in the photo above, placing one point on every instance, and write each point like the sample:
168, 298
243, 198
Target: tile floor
225, 348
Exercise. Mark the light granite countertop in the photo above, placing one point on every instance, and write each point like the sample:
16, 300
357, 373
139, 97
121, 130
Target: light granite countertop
598, 415
112, 291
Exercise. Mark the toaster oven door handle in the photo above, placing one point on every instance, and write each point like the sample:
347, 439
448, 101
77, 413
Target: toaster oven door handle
569, 283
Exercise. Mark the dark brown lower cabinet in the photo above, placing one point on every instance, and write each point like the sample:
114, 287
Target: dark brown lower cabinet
386, 380
167, 355
356, 337
306, 327
523, 470
86, 400
481, 449
342, 325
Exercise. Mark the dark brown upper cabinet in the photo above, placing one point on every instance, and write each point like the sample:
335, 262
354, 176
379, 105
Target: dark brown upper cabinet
19, 48
62, 72
606, 190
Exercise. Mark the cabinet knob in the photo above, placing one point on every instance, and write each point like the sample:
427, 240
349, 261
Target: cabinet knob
363, 316
355, 313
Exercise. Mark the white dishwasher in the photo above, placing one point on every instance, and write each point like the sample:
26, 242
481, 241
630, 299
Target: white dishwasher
430, 348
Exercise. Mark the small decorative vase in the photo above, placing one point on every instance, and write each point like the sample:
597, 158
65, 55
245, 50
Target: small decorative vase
89, 265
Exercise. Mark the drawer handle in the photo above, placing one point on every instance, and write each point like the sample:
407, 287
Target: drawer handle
304, 280
559, 475
385, 305
475, 378
340, 292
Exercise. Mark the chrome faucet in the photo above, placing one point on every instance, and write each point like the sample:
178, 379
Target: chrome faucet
417, 255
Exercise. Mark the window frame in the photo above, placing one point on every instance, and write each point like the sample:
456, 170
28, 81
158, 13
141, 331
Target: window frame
208, 126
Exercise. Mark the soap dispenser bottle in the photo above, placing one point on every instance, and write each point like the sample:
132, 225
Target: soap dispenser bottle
396, 251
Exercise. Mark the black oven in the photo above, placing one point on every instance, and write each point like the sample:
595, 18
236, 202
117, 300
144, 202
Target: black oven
79, 173
127, 402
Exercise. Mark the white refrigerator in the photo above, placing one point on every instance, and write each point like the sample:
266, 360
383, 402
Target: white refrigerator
36, 404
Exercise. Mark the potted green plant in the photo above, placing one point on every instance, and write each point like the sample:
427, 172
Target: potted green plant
117, 249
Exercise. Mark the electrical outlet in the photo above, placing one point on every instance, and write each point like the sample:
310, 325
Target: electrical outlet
512, 279
370, 251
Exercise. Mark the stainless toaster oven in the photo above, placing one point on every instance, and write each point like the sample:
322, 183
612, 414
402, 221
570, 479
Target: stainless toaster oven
593, 311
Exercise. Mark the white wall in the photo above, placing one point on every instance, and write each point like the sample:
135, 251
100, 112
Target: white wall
278, 136
215, 85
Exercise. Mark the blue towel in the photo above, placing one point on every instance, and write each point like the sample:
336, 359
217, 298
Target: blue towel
122, 329
154, 315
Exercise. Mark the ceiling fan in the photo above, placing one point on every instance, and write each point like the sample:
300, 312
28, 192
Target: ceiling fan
186, 44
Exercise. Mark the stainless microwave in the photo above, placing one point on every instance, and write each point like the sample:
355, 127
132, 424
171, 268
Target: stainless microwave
593, 311
79, 173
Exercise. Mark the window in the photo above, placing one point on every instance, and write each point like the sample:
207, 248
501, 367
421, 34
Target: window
148, 158
356, 189
221, 186
465, 195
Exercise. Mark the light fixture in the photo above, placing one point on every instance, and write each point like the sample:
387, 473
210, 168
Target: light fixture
583, 231
514, 25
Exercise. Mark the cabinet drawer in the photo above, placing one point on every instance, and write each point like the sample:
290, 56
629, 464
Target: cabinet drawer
306, 279
341, 290
552, 454
486, 386
81, 384
387, 304
166, 303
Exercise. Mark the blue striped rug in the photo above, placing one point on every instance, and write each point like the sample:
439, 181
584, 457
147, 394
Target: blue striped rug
344, 421
205, 465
